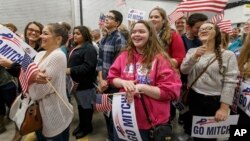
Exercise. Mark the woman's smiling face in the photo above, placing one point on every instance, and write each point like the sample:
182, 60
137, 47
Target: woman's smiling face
139, 35
207, 32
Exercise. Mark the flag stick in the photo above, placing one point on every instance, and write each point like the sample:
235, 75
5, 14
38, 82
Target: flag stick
59, 95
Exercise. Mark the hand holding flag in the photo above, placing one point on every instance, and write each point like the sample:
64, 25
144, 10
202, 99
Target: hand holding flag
28, 71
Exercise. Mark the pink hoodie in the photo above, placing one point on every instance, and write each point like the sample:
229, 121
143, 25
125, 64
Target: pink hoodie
161, 75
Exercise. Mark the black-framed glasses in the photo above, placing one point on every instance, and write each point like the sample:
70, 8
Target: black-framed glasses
110, 17
34, 30
208, 28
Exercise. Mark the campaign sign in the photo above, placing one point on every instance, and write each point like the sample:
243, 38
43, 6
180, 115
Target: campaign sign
207, 127
13, 47
125, 119
135, 15
244, 98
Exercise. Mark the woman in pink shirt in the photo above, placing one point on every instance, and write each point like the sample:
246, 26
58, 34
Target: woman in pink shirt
154, 77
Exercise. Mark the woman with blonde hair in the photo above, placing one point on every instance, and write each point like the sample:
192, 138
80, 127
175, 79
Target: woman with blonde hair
171, 40
244, 67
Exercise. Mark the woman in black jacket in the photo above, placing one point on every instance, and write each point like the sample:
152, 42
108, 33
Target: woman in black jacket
82, 69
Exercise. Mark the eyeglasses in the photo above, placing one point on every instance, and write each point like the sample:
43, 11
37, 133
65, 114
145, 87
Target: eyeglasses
247, 24
208, 28
34, 30
110, 17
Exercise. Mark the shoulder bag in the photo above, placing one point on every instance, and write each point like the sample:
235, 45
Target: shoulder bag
184, 98
162, 132
26, 114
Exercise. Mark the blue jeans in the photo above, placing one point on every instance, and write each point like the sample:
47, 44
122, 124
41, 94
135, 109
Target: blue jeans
64, 136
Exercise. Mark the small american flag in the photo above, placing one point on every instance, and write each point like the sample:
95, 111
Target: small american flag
103, 103
28, 68
226, 26
217, 18
101, 20
174, 16
202, 5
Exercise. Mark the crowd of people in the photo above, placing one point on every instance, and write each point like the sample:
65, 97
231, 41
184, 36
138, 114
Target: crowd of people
148, 60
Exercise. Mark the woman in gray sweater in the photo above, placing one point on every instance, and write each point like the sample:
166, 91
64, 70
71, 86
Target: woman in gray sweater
212, 93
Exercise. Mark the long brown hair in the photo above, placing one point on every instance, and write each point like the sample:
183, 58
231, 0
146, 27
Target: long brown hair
151, 49
224, 39
165, 36
217, 47
244, 58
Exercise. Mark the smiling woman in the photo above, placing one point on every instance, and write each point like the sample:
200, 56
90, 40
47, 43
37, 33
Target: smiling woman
32, 33
214, 71
145, 70
171, 41
52, 65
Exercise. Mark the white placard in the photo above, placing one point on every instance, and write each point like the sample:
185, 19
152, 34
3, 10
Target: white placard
207, 127
13, 47
124, 119
135, 15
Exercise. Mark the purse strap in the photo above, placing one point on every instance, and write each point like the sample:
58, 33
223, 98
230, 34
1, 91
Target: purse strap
146, 111
204, 70
142, 99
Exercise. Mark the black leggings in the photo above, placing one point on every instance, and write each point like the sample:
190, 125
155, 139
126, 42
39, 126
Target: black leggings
202, 105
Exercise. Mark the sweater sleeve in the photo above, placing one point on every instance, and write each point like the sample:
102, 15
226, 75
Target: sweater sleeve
188, 62
89, 61
55, 68
230, 80
177, 49
167, 80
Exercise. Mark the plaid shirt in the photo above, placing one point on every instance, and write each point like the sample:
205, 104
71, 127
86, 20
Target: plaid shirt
109, 48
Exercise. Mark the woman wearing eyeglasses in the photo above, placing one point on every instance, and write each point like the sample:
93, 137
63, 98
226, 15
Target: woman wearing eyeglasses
216, 70
32, 33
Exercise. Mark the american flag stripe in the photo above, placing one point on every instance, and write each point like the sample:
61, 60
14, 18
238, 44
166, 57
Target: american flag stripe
22, 80
28, 68
32, 68
226, 26
174, 16
217, 18
202, 5
103, 103
101, 20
